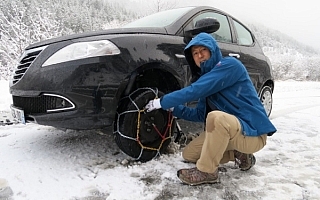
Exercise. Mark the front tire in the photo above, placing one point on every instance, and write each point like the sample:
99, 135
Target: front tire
142, 135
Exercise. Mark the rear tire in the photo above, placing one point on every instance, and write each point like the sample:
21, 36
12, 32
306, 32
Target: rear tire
142, 142
266, 99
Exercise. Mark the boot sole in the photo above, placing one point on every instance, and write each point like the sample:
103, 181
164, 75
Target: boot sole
199, 183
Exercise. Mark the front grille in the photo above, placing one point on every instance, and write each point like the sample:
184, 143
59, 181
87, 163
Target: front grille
27, 58
43, 104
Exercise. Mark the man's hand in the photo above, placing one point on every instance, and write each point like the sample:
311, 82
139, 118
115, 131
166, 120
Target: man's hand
153, 105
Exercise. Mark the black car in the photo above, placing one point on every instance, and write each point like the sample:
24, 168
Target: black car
99, 79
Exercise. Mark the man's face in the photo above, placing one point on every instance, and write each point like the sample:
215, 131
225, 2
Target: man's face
200, 54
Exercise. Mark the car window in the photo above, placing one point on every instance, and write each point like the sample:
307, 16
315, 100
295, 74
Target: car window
244, 36
160, 19
224, 33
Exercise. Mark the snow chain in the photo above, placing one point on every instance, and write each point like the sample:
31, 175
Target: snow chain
139, 111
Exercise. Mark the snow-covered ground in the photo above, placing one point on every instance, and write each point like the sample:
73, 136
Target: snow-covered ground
38, 162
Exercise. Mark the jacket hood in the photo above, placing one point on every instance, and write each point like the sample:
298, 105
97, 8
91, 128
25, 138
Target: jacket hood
203, 39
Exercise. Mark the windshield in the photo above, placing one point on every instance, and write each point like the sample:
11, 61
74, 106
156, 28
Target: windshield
160, 19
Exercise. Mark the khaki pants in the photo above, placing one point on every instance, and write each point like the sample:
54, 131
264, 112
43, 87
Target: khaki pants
214, 146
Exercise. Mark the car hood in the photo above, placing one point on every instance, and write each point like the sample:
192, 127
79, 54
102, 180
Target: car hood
153, 30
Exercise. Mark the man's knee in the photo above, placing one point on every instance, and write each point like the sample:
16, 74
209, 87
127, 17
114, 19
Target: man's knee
216, 119
215, 115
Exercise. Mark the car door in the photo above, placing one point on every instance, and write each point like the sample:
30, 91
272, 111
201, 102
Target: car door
251, 54
224, 35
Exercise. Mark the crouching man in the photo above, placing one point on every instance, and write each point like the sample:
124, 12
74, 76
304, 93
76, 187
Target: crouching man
236, 122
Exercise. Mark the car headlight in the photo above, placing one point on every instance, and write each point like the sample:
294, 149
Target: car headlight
82, 50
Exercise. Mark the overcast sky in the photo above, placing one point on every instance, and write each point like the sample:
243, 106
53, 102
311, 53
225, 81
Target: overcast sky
299, 19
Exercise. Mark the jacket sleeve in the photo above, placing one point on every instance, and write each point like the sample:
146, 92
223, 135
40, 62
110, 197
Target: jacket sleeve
195, 114
219, 78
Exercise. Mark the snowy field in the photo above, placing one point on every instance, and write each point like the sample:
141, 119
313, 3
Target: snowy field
38, 162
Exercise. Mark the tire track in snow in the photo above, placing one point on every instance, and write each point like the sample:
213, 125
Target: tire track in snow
280, 113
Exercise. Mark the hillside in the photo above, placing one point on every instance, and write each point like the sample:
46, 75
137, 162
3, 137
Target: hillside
290, 58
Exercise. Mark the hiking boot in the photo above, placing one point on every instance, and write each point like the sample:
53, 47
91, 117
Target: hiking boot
245, 161
195, 177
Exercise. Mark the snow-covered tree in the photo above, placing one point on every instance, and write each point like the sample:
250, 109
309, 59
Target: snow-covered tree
23, 22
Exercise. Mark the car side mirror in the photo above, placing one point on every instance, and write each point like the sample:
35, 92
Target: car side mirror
207, 25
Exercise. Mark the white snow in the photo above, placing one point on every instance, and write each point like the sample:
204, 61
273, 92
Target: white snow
39, 162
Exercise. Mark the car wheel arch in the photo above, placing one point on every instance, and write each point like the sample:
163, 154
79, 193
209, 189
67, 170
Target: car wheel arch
153, 75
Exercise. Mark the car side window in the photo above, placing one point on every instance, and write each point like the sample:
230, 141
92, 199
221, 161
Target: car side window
224, 33
244, 36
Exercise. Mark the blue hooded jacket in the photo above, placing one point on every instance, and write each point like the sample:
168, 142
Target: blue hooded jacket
225, 85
